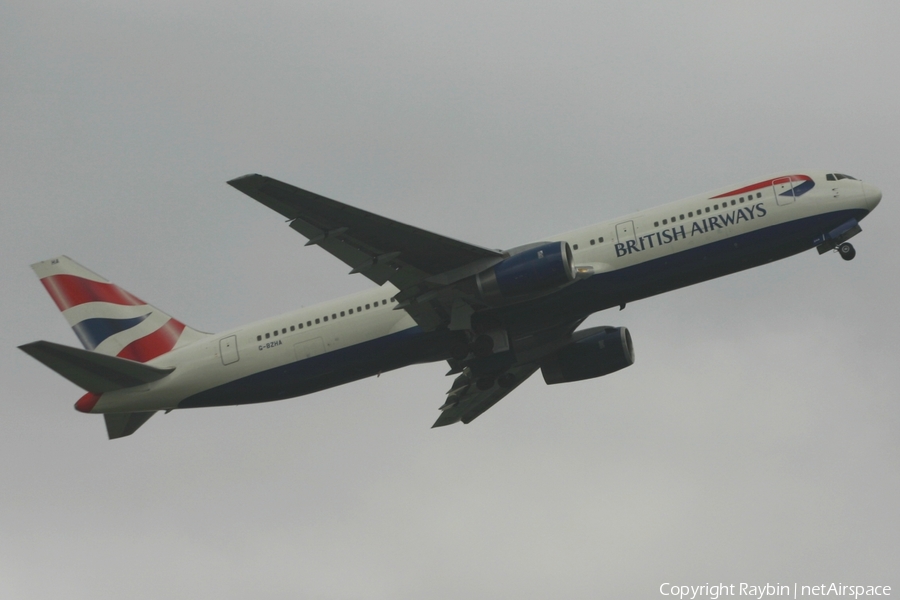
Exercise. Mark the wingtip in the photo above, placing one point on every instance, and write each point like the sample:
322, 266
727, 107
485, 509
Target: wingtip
244, 180
31, 348
446, 418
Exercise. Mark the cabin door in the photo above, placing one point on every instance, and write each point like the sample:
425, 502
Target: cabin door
784, 190
625, 231
228, 350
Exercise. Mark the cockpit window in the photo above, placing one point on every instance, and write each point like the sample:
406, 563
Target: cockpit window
837, 176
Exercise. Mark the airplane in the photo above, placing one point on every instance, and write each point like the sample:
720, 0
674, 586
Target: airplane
495, 316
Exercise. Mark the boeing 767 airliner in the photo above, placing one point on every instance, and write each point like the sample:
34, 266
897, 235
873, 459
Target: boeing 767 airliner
495, 316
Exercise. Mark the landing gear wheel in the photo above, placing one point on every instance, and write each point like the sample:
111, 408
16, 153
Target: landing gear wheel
482, 346
485, 383
506, 381
847, 251
459, 350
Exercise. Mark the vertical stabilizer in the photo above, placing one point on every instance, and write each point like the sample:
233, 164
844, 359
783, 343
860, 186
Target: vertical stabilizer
106, 318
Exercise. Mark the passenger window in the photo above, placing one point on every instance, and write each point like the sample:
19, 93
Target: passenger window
681, 217
600, 241
367, 307
259, 338
592, 242
384, 302
284, 330
656, 224
707, 209
665, 221
334, 316
325, 318
575, 247
350, 311
690, 214
300, 326
267, 336
309, 323
759, 194
359, 309
275, 333
292, 327
733, 202
716, 207
317, 321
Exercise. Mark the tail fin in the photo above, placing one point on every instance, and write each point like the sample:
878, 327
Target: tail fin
106, 318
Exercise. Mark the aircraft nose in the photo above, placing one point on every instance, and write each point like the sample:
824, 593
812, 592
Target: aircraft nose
873, 195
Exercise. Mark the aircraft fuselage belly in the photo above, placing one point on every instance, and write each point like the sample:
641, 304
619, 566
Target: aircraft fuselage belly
600, 292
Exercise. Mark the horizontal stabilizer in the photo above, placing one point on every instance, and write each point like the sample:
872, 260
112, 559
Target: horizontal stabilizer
92, 371
122, 424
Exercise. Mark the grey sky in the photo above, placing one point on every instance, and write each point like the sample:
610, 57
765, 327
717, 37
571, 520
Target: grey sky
755, 439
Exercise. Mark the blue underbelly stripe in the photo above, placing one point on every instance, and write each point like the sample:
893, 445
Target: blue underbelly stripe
596, 293
330, 369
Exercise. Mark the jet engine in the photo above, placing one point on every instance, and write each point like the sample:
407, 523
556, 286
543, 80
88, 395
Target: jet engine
592, 353
534, 269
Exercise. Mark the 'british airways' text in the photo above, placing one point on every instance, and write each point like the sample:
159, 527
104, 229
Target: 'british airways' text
673, 234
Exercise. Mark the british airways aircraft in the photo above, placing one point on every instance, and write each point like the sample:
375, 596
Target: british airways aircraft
495, 316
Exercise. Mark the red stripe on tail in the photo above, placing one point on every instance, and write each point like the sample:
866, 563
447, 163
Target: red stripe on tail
70, 290
155, 344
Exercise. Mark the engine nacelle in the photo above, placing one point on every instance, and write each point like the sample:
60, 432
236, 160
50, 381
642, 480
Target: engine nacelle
592, 353
537, 269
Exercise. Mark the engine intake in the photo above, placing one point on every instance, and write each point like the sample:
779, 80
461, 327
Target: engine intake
536, 269
592, 353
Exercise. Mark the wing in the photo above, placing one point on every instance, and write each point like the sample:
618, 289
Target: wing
414, 260
465, 401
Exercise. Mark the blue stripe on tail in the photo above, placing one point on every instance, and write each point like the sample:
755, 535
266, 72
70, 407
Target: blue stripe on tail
92, 332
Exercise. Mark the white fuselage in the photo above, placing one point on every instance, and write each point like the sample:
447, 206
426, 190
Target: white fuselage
277, 347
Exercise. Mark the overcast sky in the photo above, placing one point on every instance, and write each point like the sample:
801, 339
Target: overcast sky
756, 439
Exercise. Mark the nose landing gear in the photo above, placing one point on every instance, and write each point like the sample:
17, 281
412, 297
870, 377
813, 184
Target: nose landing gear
847, 251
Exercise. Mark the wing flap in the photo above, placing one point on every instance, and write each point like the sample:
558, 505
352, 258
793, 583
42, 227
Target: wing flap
465, 402
92, 371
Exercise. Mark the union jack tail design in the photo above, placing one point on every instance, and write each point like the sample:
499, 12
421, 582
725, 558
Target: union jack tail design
106, 318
